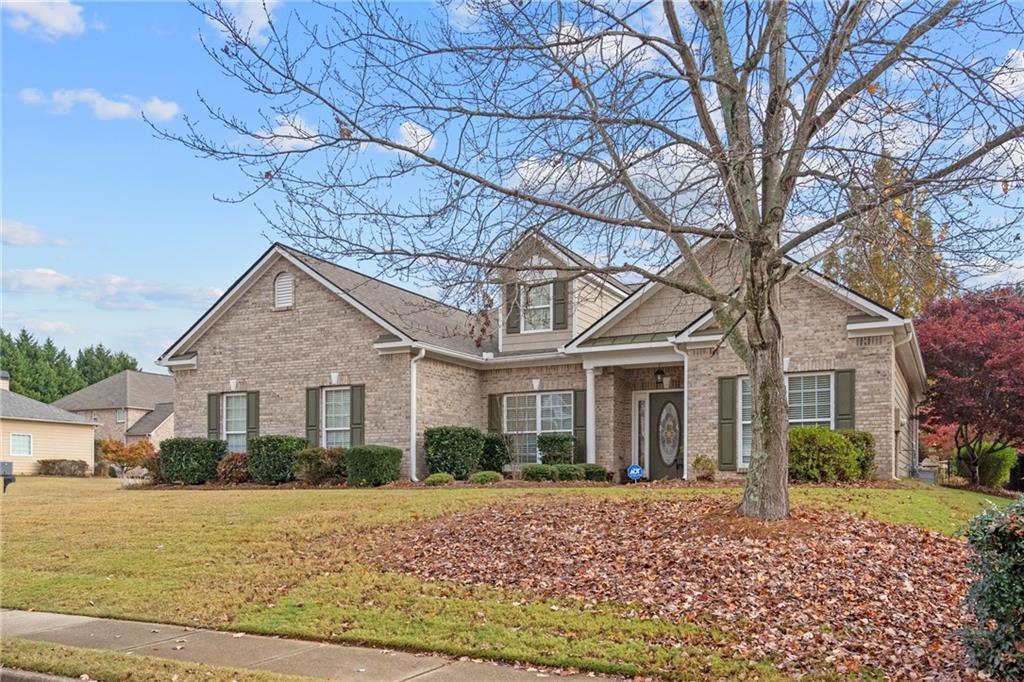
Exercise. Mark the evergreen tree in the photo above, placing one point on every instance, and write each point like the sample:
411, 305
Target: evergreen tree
904, 273
96, 363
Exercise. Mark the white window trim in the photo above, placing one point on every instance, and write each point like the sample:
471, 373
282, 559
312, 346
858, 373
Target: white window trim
291, 282
740, 466
323, 413
523, 291
30, 444
537, 407
224, 418
120, 415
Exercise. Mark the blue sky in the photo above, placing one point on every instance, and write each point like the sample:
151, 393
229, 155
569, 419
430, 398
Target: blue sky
111, 235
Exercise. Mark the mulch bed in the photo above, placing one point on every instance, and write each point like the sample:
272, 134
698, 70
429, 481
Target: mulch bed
823, 590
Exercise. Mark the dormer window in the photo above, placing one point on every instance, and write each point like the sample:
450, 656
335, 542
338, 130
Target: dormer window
537, 308
284, 291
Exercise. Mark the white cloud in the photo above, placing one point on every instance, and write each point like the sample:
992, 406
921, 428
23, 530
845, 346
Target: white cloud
1010, 76
17, 233
46, 20
49, 326
415, 136
109, 292
292, 134
251, 17
103, 108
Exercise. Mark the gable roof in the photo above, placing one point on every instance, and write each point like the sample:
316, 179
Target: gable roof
406, 315
572, 257
142, 390
149, 422
16, 406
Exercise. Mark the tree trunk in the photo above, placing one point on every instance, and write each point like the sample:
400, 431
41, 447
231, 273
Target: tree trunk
766, 495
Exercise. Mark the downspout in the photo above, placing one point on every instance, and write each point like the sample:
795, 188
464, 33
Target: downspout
412, 412
686, 410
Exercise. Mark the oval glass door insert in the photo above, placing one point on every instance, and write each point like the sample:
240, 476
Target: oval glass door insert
668, 433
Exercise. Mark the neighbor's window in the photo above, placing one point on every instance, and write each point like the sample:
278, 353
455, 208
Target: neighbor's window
529, 414
234, 421
21, 444
119, 416
810, 404
537, 308
284, 290
337, 421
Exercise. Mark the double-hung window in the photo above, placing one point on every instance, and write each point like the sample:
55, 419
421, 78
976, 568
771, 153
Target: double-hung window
527, 415
337, 418
21, 445
120, 416
235, 420
811, 403
537, 306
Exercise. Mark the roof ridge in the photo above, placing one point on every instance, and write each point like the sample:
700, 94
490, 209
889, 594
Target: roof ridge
374, 279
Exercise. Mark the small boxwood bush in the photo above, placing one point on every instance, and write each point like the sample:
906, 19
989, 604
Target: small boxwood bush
821, 456
320, 465
570, 472
454, 450
233, 468
993, 469
192, 461
539, 472
704, 468
272, 458
63, 467
372, 464
996, 643
556, 448
438, 479
594, 472
497, 452
485, 477
864, 442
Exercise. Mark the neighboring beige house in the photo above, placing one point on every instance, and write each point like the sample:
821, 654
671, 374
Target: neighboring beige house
302, 346
31, 431
127, 406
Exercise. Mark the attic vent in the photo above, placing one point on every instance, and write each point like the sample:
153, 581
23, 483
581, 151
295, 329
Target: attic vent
284, 291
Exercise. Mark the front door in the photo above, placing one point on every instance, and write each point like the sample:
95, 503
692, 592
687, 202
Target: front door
665, 435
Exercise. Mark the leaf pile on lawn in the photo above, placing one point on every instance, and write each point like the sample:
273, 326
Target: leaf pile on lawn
821, 592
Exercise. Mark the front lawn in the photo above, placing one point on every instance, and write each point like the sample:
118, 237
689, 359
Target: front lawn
297, 562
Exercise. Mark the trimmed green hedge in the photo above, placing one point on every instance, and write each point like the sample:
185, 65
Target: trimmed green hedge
373, 465
864, 442
993, 469
485, 477
497, 452
272, 458
556, 448
570, 472
821, 456
594, 472
539, 472
438, 479
454, 450
192, 461
319, 465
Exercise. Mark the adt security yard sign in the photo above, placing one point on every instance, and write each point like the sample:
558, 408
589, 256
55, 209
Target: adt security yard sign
635, 472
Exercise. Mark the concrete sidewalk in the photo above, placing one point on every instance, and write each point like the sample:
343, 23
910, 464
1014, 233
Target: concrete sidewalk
288, 656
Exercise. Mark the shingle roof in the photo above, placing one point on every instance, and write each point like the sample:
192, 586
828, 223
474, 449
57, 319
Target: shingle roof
419, 317
142, 390
16, 406
148, 422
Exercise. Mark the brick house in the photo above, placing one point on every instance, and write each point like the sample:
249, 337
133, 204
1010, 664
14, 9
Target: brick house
127, 406
302, 346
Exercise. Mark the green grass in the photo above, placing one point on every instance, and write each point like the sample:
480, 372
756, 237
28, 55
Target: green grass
110, 666
288, 562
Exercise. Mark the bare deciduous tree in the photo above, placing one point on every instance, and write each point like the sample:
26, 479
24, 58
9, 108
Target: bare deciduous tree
427, 139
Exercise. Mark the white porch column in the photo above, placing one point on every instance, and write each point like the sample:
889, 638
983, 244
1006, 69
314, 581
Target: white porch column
591, 418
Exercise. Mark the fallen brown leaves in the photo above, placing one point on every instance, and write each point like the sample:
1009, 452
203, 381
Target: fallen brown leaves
821, 591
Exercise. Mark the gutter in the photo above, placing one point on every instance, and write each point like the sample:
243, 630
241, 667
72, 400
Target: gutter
412, 412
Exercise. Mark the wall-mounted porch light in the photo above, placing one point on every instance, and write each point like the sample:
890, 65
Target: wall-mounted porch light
659, 377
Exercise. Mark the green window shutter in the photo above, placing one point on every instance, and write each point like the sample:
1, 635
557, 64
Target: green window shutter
511, 309
559, 297
358, 412
313, 416
252, 415
213, 415
727, 423
845, 400
579, 425
494, 412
